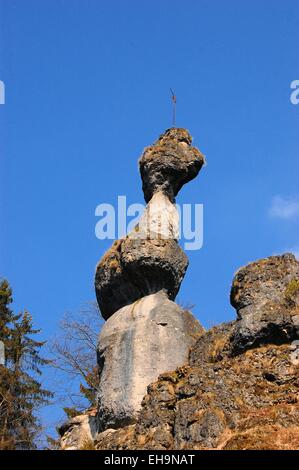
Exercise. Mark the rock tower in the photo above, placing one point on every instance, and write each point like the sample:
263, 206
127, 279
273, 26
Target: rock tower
146, 332
165, 383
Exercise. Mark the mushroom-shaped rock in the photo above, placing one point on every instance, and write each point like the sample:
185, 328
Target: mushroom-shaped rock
135, 267
169, 163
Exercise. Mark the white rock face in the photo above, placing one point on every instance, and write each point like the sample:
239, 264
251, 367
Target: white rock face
159, 220
78, 432
137, 343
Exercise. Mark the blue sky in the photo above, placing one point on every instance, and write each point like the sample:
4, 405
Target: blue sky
87, 88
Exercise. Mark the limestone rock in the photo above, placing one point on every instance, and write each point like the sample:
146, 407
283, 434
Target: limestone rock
136, 344
266, 296
248, 401
218, 399
135, 267
160, 220
170, 163
149, 258
137, 279
79, 432
223, 400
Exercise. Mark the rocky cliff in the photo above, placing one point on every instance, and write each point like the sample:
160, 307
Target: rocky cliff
239, 388
165, 382
136, 283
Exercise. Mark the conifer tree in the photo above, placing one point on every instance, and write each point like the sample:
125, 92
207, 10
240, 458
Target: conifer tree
21, 393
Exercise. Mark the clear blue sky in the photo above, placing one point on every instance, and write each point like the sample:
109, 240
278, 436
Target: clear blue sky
87, 88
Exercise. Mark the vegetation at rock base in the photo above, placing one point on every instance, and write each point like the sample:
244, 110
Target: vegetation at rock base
73, 353
88, 444
21, 392
292, 289
218, 402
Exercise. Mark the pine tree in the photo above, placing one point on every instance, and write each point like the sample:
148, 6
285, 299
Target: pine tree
88, 391
21, 393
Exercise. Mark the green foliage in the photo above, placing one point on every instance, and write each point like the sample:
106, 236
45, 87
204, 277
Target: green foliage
92, 381
88, 392
21, 393
71, 412
292, 289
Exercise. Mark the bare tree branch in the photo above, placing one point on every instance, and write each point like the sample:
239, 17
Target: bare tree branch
73, 354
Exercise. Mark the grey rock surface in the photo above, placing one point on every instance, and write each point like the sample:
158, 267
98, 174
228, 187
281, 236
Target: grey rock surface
136, 281
79, 432
160, 220
140, 341
266, 296
169, 163
133, 268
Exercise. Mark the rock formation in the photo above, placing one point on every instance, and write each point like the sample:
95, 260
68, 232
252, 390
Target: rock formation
170, 163
239, 387
79, 432
231, 395
165, 383
262, 294
136, 282
136, 344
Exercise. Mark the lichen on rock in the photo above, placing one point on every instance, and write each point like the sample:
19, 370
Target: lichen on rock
136, 344
136, 267
136, 281
218, 402
80, 431
237, 387
169, 163
149, 258
266, 296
